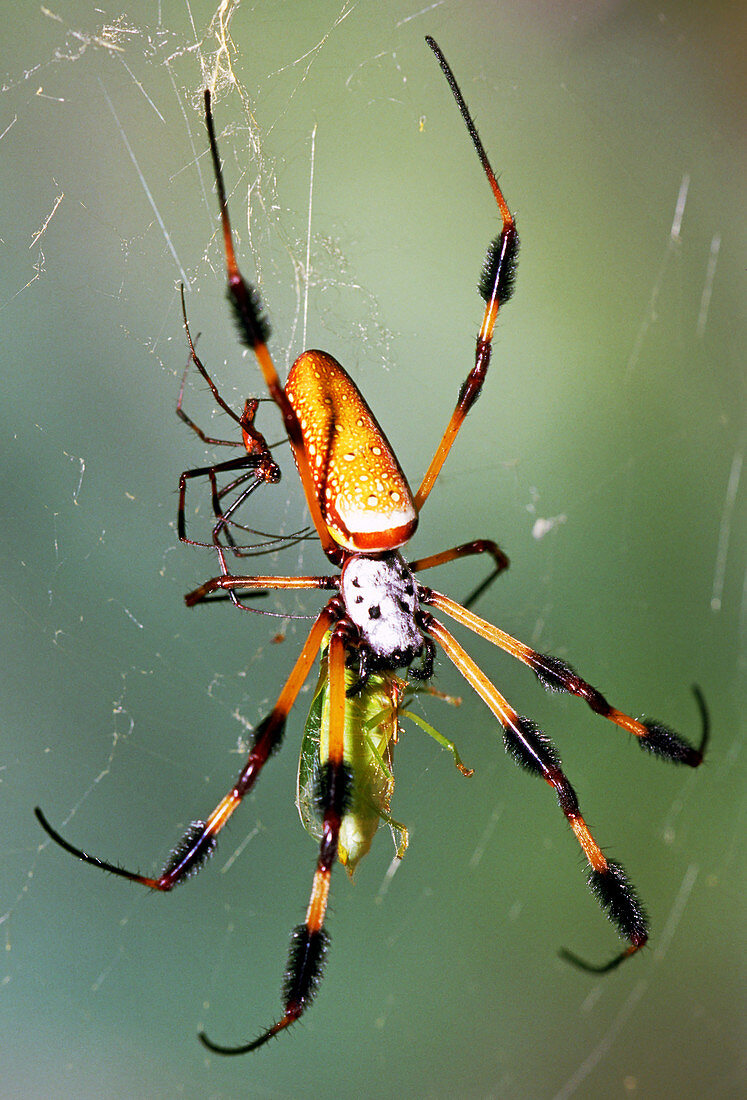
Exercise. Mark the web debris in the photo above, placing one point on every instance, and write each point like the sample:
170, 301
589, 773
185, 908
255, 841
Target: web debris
724, 533
705, 300
47, 220
672, 245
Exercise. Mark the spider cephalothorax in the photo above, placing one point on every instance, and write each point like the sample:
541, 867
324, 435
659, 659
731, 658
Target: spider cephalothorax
381, 600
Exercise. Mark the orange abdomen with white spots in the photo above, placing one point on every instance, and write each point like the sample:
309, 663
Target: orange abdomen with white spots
363, 495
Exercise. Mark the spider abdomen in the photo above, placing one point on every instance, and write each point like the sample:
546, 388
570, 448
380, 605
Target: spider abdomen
363, 495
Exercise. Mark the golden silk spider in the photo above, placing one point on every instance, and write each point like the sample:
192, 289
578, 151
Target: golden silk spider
379, 618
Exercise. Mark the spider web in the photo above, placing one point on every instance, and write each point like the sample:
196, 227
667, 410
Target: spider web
605, 455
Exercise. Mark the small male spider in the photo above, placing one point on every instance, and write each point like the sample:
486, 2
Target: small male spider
379, 617
254, 468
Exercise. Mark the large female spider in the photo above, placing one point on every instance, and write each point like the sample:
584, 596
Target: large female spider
379, 617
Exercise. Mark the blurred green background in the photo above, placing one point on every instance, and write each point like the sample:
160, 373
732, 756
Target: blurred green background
615, 408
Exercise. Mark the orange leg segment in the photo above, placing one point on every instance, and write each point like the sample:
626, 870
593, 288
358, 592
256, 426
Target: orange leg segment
466, 549
496, 286
556, 675
532, 750
310, 941
256, 463
198, 843
477, 546
255, 331
228, 583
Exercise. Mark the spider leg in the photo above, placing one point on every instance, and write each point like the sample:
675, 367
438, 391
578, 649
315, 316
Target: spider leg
257, 470
255, 332
213, 388
257, 463
253, 467
224, 523
496, 287
556, 675
466, 549
309, 941
265, 471
257, 586
199, 840
477, 546
228, 583
531, 749
228, 525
